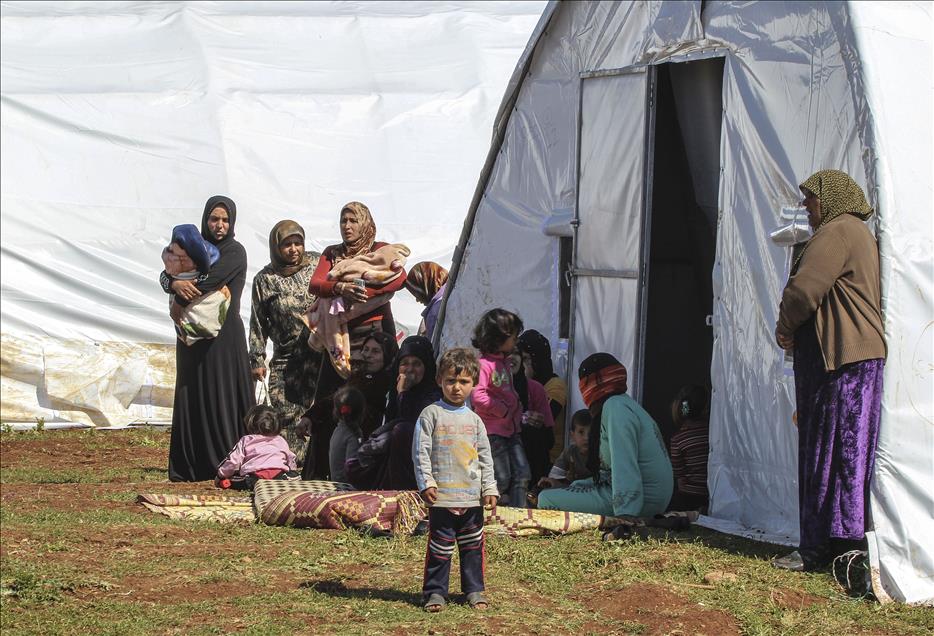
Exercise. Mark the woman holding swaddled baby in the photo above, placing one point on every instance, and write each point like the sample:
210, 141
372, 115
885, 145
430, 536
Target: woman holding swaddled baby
213, 385
353, 282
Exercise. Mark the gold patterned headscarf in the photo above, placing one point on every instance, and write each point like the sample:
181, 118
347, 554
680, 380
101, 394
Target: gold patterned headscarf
367, 232
838, 194
281, 231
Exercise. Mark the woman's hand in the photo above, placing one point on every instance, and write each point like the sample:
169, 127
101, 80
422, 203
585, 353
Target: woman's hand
303, 428
785, 342
186, 289
546, 482
350, 292
404, 382
259, 373
534, 419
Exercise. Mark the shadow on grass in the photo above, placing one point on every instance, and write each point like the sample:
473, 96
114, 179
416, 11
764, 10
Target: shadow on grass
337, 588
731, 544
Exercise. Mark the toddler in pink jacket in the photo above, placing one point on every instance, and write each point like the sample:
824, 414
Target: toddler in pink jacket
495, 400
260, 454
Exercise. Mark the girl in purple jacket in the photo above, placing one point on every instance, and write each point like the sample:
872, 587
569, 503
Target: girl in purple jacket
495, 400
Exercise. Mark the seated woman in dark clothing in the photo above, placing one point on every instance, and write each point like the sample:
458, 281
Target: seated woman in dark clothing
373, 375
385, 459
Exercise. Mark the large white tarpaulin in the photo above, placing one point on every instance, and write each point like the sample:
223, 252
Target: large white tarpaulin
806, 86
119, 119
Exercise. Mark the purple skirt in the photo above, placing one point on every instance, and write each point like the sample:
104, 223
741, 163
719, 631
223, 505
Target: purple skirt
838, 425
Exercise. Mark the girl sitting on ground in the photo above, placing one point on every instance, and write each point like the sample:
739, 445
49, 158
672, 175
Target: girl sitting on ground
260, 454
496, 402
690, 448
349, 410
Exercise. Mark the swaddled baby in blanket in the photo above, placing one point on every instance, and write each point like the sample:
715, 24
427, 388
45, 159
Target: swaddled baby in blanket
327, 318
190, 257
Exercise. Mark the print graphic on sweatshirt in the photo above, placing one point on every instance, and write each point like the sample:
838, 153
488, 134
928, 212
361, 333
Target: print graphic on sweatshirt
499, 378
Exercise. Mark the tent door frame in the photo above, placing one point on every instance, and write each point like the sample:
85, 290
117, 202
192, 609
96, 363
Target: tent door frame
640, 274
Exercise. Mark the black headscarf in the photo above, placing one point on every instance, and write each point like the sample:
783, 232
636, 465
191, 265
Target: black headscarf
539, 349
212, 203
422, 394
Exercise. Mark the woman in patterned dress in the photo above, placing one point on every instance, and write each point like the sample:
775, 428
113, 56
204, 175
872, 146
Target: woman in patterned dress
280, 297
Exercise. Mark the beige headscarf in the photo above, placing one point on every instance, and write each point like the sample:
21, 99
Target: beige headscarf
838, 194
367, 232
281, 231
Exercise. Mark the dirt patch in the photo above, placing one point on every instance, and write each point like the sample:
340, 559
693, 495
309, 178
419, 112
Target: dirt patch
658, 610
32, 498
63, 451
162, 590
787, 598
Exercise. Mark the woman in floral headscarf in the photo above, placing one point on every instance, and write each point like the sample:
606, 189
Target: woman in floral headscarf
626, 456
280, 298
358, 232
831, 317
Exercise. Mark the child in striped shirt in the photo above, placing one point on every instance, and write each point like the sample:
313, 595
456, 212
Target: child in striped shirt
690, 448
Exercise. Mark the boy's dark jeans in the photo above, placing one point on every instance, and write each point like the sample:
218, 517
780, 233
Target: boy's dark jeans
444, 529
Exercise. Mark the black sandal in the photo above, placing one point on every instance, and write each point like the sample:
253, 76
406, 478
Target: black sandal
434, 603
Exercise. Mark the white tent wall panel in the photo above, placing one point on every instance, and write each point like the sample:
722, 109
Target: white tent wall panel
120, 119
535, 171
797, 94
895, 51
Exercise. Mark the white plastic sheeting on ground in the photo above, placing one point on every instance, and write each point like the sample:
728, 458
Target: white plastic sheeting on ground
806, 86
120, 119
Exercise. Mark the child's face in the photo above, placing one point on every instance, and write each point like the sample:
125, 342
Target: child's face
509, 345
456, 387
580, 437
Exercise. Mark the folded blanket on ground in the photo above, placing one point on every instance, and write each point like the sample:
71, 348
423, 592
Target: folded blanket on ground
321, 504
218, 508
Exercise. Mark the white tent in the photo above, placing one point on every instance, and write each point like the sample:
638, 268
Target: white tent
642, 155
119, 119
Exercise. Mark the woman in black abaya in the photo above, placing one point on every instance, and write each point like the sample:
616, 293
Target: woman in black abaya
213, 385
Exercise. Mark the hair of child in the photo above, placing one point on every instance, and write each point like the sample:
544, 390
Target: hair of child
349, 406
581, 419
691, 403
459, 360
262, 420
494, 328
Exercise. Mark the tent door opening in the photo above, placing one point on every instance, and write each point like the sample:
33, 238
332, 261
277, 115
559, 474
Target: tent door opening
680, 233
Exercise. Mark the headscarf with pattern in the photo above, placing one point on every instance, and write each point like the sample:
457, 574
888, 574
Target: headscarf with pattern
838, 194
281, 231
367, 237
425, 279
601, 375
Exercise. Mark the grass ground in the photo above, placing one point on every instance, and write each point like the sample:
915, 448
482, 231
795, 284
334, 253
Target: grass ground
79, 556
